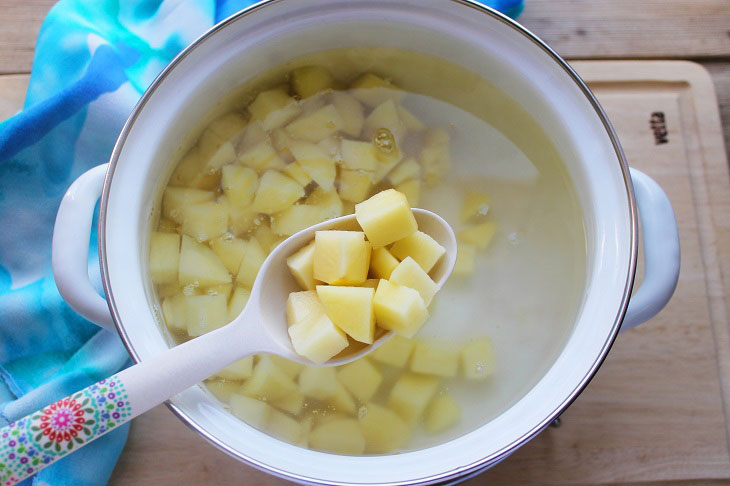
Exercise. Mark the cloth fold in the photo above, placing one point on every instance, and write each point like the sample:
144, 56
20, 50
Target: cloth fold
93, 60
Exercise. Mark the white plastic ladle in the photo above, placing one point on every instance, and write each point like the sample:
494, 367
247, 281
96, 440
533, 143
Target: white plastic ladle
74, 421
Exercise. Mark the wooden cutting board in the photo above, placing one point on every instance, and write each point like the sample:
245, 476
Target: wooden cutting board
658, 410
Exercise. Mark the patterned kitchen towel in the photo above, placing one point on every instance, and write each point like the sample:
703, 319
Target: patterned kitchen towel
93, 60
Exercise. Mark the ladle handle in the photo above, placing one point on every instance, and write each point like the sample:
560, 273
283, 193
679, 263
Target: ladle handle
39, 439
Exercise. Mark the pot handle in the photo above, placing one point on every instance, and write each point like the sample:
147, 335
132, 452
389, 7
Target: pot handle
661, 251
70, 247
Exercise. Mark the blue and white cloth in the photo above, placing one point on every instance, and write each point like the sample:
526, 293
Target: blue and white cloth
93, 60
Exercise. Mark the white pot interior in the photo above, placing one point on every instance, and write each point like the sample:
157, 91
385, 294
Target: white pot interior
461, 33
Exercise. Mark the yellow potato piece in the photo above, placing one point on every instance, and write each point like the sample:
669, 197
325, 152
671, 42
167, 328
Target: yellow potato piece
351, 112
189, 172
318, 340
371, 283
411, 394
175, 199
283, 427
205, 313
301, 266
229, 250
350, 309
338, 436
268, 381
383, 429
435, 357
405, 171
358, 155
435, 157
266, 237
385, 115
164, 257
250, 263
341, 257
315, 162
200, 266
240, 370
360, 378
385, 218
310, 80
296, 218
291, 403
222, 389
465, 259
166, 226
477, 359
479, 235
399, 309
225, 154
475, 206
342, 401
229, 125
238, 302
254, 412
273, 108
174, 310
373, 90
261, 156
354, 185
443, 413
297, 172
411, 190
327, 201
276, 192
205, 221
243, 218
411, 121
291, 368
410, 274
421, 247
239, 183
395, 352
382, 263
303, 307
316, 126
318, 382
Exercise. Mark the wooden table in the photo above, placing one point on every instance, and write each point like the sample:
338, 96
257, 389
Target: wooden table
672, 29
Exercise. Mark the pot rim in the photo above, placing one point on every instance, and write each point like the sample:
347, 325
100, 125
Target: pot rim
462, 471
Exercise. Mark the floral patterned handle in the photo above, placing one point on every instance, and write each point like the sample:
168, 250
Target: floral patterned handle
43, 437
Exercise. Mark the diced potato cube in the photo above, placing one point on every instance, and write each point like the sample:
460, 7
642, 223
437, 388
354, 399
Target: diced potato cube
395, 351
384, 115
229, 250
435, 156
176, 198
357, 155
354, 185
410, 274
342, 401
350, 309
399, 309
316, 382
411, 395
386, 163
316, 126
250, 263
240, 370
315, 162
405, 171
373, 90
465, 259
206, 313
383, 429
303, 307
229, 125
301, 267
435, 357
254, 412
371, 283
266, 237
166, 226
252, 135
475, 206
443, 413
276, 192
385, 218
205, 221
225, 154
318, 340
382, 263
297, 172
243, 218
291, 403
327, 201
361, 378
411, 190
262, 156
164, 257
310, 80
222, 389
411, 121
284, 427
200, 266
239, 183
341, 257
338, 436
421, 247
238, 302
479, 235
190, 172
168, 289
291, 368
222, 289
296, 218
268, 381
273, 108
351, 112
174, 310
477, 359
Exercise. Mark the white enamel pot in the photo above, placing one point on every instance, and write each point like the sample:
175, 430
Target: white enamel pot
464, 32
